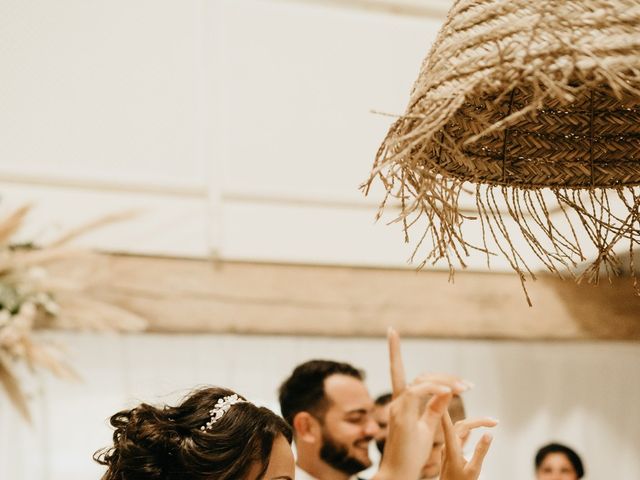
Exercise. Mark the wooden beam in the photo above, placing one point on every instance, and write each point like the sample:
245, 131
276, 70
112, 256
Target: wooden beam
179, 295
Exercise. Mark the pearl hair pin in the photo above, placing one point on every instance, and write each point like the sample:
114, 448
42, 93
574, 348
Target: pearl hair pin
221, 407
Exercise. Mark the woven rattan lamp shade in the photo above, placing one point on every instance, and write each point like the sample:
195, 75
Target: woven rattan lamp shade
536, 103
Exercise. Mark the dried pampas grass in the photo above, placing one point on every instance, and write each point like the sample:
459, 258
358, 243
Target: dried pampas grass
32, 298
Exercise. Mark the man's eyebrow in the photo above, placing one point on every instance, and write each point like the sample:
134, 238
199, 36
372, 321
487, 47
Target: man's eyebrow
286, 477
356, 410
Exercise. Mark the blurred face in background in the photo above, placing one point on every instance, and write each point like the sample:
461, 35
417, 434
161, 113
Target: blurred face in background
381, 416
431, 469
556, 466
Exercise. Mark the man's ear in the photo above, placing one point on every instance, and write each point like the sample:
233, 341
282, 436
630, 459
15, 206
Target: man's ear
307, 427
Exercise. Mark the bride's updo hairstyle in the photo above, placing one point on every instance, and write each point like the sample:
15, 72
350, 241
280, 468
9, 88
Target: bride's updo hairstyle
213, 434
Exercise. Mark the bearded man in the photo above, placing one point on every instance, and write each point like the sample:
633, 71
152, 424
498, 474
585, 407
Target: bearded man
330, 410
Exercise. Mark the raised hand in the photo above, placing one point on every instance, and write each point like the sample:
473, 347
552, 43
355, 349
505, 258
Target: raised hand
398, 377
464, 427
414, 416
454, 465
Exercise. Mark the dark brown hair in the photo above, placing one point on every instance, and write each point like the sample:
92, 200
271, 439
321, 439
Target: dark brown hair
383, 400
303, 391
168, 443
571, 455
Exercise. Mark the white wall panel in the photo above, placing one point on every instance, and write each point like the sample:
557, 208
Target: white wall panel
162, 224
19, 440
284, 231
300, 81
309, 234
101, 90
71, 407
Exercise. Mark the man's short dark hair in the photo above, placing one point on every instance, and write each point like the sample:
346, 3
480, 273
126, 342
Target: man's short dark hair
559, 448
383, 399
303, 391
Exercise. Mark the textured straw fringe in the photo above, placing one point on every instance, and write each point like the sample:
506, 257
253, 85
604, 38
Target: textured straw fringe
538, 105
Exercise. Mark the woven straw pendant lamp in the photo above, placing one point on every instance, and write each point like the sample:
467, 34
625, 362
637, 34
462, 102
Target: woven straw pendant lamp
532, 109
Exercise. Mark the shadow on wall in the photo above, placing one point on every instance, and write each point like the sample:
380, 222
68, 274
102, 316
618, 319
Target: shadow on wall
610, 310
578, 399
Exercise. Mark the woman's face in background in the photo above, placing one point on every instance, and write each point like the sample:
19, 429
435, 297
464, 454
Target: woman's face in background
556, 466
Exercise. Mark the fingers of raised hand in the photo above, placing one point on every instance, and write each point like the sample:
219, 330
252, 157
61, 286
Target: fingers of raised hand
436, 407
475, 464
457, 384
398, 381
424, 390
464, 427
425, 401
450, 438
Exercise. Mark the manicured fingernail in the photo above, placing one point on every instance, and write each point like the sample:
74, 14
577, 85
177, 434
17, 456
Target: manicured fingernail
443, 389
487, 437
464, 385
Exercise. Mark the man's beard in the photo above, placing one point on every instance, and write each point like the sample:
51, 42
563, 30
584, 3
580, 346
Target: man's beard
337, 455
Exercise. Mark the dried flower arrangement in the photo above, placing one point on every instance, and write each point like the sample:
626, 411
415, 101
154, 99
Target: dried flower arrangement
31, 298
